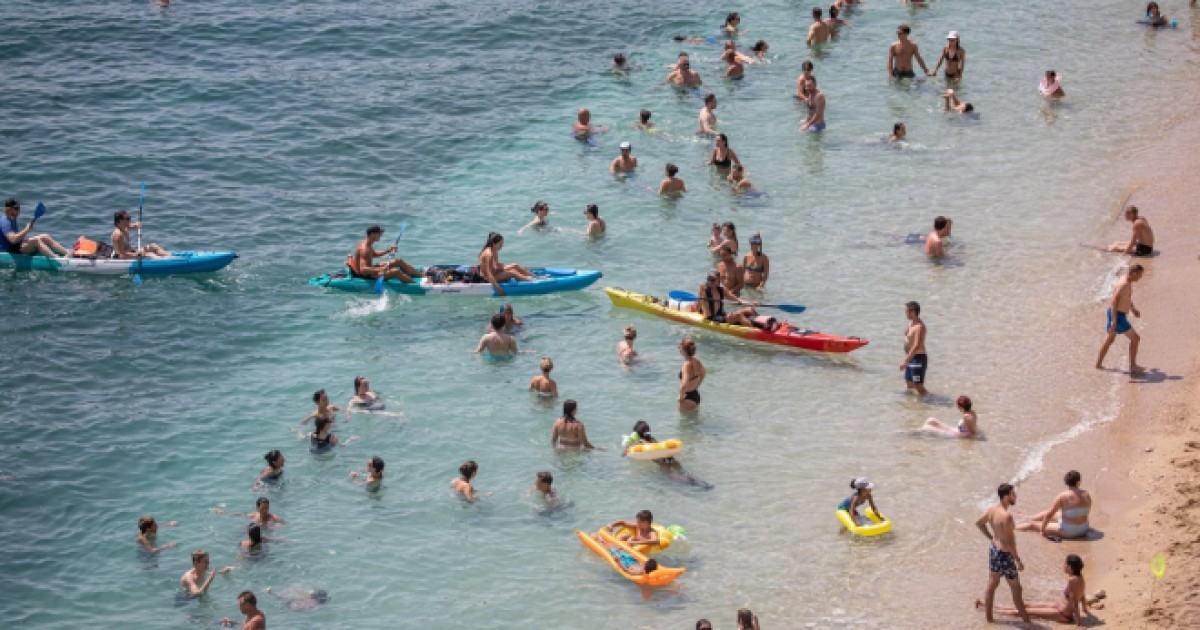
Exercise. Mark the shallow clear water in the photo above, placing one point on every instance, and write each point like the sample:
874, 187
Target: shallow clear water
282, 131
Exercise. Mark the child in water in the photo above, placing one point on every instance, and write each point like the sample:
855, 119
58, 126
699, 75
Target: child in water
628, 563
862, 494
543, 384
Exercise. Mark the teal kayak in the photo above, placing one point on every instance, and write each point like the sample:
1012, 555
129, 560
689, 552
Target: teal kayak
552, 280
178, 263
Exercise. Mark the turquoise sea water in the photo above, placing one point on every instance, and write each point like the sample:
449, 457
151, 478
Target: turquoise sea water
282, 131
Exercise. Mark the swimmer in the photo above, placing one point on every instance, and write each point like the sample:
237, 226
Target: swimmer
364, 398
1154, 15
628, 563
756, 265
1141, 242
806, 73
1121, 304
624, 163
954, 56
683, 76
835, 23
583, 128
311, 600
462, 485
819, 31
497, 343
862, 494
951, 103
901, 54
899, 132
717, 240
596, 226
737, 179
1074, 503
541, 214
746, 620
732, 21
148, 534
672, 185
543, 384
1051, 85
758, 52
916, 360
511, 321
669, 465
625, 351
722, 156
729, 238
816, 108
643, 532
374, 477
322, 439
569, 432
273, 470
262, 514
323, 410
543, 486
736, 68
968, 426
194, 582
495, 271
621, 65
644, 123
935, 246
1073, 606
707, 117
733, 277
248, 605
691, 376
254, 539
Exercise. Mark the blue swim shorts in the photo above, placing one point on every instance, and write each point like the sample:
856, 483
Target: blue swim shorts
816, 127
1123, 325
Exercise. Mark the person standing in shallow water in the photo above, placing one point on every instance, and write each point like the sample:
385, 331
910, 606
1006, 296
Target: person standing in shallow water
1003, 559
901, 54
916, 360
691, 376
1118, 322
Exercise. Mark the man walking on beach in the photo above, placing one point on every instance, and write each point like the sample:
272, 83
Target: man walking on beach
1003, 560
916, 360
1118, 321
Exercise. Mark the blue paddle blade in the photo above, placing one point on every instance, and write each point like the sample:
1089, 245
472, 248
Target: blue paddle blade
379, 285
789, 308
39, 210
137, 280
682, 296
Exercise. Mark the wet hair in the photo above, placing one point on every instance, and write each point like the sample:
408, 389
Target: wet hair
760, 46
704, 624
644, 115
807, 65
545, 477
731, 18
689, 346
248, 597
939, 223
709, 97
569, 407
619, 59
357, 381
642, 429
1132, 209
1152, 5
897, 127
468, 469
967, 107
11, 203
745, 618
262, 500
963, 403
593, 210
645, 517
377, 464
546, 364
629, 333
672, 169
1004, 490
816, 12
540, 205
272, 457
1052, 74
199, 555
1072, 478
724, 139
118, 216
833, 11
914, 307
145, 523
498, 321
320, 392
1076, 564
320, 423
650, 565
320, 596
255, 534
492, 239
904, 28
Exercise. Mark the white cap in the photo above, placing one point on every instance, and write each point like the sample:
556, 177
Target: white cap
862, 483
952, 35
625, 145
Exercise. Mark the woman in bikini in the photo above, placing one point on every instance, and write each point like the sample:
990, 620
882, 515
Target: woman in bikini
273, 470
1074, 503
364, 399
968, 426
568, 432
756, 265
691, 376
955, 58
494, 271
541, 212
1073, 606
543, 384
625, 351
324, 409
462, 485
722, 156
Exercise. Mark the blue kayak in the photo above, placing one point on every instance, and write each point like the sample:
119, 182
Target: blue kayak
178, 263
449, 280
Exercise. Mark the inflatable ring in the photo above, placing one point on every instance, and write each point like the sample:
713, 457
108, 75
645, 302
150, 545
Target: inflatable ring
878, 526
655, 450
665, 537
658, 577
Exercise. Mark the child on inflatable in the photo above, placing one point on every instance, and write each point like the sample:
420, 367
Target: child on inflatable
628, 563
862, 494
644, 533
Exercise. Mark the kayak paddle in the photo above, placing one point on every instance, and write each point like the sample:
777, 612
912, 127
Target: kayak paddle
379, 281
38, 212
684, 296
137, 275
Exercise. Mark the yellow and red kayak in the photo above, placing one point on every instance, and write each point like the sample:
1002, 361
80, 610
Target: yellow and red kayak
785, 335
658, 577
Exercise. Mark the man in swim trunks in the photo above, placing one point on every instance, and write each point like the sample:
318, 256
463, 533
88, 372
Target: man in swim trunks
916, 360
1003, 560
18, 241
711, 300
1121, 304
901, 53
1141, 242
363, 260
624, 163
819, 31
816, 108
683, 75
935, 246
497, 343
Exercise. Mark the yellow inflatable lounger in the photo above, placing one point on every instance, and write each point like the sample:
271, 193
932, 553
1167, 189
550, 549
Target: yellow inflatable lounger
657, 450
658, 577
665, 538
879, 525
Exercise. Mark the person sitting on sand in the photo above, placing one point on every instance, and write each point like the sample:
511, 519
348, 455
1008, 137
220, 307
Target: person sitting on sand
899, 133
951, 103
1051, 85
494, 271
148, 534
374, 470
935, 241
643, 532
568, 432
497, 344
362, 261
1074, 503
625, 351
18, 241
1073, 606
968, 426
672, 185
462, 485
624, 163
862, 495
543, 384
628, 563
1141, 242
121, 242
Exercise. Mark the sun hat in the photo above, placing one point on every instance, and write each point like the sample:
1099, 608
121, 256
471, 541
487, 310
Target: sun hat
952, 35
625, 145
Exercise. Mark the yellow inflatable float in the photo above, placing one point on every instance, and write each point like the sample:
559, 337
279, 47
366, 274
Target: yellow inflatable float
666, 535
878, 526
655, 450
658, 577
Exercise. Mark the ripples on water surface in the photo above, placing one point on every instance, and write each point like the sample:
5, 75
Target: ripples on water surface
281, 131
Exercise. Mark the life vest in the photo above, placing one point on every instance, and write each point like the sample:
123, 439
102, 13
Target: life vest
87, 248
